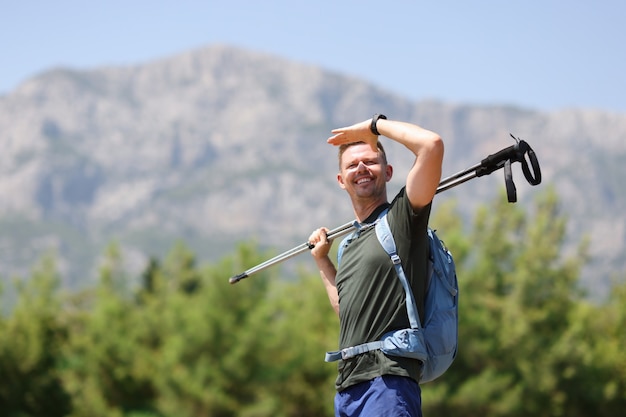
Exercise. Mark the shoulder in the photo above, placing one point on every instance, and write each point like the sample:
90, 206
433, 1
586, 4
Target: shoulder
401, 208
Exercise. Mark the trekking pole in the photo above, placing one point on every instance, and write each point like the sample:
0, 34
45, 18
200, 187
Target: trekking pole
502, 159
332, 234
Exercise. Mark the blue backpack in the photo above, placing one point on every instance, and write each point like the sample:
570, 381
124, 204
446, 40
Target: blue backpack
435, 343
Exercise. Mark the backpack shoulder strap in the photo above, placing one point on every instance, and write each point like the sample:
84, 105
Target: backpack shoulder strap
383, 232
346, 240
358, 229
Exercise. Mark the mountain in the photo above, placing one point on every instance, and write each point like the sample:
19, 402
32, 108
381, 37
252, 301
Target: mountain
221, 145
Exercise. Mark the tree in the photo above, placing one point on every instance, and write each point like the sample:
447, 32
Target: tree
183, 341
30, 343
520, 311
106, 368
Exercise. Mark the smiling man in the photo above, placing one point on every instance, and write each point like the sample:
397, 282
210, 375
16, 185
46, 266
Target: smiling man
364, 289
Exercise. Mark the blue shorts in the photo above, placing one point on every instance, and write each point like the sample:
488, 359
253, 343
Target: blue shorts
384, 396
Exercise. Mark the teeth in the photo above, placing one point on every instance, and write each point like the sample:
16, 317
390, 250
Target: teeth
363, 180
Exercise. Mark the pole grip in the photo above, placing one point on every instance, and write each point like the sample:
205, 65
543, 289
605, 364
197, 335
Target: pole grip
495, 161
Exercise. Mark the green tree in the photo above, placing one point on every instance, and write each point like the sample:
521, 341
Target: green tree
594, 380
254, 349
105, 362
295, 380
520, 310
181, 341
30, 342
209, 359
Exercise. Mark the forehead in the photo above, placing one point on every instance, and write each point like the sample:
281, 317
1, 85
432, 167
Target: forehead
359, 152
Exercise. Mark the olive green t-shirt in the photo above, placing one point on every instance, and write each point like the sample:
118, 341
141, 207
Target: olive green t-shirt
371, 298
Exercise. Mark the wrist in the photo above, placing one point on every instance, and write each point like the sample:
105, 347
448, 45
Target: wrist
375, 120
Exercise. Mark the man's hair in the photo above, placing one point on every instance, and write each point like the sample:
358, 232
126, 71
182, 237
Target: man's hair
381, 150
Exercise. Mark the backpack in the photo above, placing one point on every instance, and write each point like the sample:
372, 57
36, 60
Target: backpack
435, 343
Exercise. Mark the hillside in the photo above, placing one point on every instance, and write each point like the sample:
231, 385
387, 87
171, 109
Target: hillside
220, 145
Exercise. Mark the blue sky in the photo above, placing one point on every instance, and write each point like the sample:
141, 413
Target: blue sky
538, 54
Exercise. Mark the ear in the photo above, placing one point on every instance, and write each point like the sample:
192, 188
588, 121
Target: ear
388, 173
340, 181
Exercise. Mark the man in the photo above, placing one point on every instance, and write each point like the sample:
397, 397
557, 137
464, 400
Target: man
365, 290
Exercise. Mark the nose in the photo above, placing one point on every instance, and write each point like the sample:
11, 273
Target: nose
361, 166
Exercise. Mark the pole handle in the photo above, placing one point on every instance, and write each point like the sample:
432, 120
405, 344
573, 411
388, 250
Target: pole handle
495, 161
514, 153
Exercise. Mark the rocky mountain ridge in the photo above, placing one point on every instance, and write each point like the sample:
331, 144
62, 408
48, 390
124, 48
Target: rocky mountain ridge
220, 145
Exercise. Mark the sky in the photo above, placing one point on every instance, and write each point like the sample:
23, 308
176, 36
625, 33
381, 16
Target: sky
537, 54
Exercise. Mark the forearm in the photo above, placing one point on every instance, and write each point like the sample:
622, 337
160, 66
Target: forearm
427, 146
414, 137
328, 273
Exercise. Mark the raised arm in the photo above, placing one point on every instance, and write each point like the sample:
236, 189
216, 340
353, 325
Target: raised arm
425, 174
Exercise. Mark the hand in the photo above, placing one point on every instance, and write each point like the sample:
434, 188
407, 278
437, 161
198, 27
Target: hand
359, 132
321, 244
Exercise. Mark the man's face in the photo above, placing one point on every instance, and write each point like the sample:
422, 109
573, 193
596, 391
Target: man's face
364, 173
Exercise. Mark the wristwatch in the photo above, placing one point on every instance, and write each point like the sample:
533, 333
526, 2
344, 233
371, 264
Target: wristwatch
374, 121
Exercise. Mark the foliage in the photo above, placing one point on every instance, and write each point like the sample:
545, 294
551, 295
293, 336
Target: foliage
182, 341
30, 343
529, 340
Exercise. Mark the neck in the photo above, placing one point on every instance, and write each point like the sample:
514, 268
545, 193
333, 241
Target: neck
363, 209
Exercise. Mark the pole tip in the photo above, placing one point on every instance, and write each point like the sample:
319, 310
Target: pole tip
237, 278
